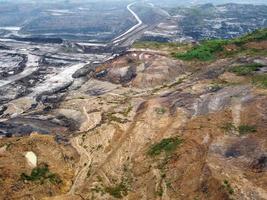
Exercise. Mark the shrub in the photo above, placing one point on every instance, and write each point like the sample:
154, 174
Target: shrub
126, 112
208, 50
242, 129
243, 70
228, 127
228, 187
159, 192
118, 191
257, 35
41, 174
160, 111
167, 145
260, 80
215, 87
204, 52
245, 129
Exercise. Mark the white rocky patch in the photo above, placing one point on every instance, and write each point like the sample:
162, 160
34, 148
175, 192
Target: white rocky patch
10, 28
31, 158
58, 81
91, 44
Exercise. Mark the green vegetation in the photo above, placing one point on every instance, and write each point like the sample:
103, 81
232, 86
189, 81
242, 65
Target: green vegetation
228, 127
98, 189
242, 129
245, 129
210, 49
260, 80
244, 70
117, 191
41, 174
228, 187
120, 189
167, 145
258, 35
160, 111
126, 112
7, 145
215, 87
203, 52
159, 192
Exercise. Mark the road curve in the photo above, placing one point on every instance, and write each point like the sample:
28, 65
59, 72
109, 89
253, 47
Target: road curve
121, 37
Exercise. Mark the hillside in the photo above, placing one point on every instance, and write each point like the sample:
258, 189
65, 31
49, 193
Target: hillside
163, 121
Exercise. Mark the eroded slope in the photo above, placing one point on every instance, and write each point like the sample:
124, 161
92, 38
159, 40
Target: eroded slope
150, 126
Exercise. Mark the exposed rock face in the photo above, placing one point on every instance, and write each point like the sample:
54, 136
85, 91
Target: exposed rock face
86, 70
142, 69
121, 75
216, 102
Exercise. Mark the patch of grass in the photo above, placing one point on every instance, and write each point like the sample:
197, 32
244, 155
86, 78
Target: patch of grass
228, 127
211, 49
260, 80
159, 192
169, 185
244, 70
215, 87
228, 187
167, 145
118, 191
245, 129
126, 112
258, 35
160, 110
98, 189
41, 174
203, 52
8, 145
242, 129
100, 146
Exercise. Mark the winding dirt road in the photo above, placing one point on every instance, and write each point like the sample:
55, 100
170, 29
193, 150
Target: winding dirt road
85, 161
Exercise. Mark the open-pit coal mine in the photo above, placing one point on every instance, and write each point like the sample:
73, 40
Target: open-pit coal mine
106, 100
